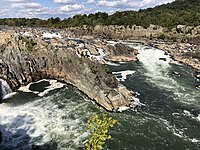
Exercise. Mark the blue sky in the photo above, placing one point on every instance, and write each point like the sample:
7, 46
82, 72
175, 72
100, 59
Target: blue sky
67, 8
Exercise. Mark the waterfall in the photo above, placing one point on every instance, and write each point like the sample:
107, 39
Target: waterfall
4, 90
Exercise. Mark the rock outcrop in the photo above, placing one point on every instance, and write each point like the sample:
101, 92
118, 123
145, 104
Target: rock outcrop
121, 53
25, 59
116, 31
179, 33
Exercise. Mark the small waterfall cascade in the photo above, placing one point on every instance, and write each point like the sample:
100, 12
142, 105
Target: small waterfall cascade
4, 89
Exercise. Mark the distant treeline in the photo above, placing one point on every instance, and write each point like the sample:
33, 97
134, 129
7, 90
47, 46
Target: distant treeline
185, 12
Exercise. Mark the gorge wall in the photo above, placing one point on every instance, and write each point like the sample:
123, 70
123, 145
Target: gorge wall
27, 59
181, 33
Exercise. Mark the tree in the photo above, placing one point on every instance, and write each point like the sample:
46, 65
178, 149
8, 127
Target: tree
98, 126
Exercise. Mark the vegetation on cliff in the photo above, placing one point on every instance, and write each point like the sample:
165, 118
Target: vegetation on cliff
98, 126
185, 12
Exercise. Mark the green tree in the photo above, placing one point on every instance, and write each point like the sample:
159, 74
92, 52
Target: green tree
98, 126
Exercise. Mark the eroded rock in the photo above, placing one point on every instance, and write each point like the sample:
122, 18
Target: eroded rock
121, 53
21, 65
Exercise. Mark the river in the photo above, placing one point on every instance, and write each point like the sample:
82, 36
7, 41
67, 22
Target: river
169, 118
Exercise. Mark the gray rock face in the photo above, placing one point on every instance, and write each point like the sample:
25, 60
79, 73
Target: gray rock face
120, 53
23, 60
117, 32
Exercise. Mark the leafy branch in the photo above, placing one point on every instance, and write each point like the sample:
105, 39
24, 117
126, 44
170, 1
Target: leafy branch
98, 126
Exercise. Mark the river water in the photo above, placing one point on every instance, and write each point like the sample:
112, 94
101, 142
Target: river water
169, 118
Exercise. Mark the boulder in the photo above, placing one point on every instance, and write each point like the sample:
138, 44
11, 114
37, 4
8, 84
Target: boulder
176, 73
164, 59
120, 53
92, 49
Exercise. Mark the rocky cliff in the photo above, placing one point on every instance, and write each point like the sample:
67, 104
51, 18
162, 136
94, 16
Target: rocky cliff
25, 59
181, 33
117, 32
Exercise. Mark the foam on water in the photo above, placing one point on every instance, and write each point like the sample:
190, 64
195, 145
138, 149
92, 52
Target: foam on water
123, 74
99, 57
123, 108
159, 72
54, 84
5, 90
10, 95
156, 69
51, 35
27, 34
178, 132
137, 102
187, 113
112, 63
44, 120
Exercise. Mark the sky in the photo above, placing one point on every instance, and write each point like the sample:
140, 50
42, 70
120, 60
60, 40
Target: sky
67, 8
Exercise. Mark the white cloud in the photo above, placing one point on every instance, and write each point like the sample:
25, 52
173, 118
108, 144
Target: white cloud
3, 11
148, 3
91, 1
64, 1
72, 8
26, 5
20, 1
165, 1
116, 3
131, 4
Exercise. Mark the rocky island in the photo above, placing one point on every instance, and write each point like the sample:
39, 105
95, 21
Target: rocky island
27, 56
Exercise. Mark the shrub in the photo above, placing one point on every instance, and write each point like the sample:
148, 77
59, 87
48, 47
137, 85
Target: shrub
98, 126
70, 60
107, 70
29, 43
161, 36
94, 69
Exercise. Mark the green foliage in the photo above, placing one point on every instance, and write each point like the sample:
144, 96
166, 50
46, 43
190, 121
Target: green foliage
185, 12
98, 126
81, 60
107, 70
173, 38
161, 36
70, 60
30, 48
29, 43
94, 69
